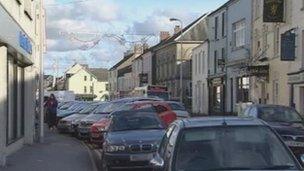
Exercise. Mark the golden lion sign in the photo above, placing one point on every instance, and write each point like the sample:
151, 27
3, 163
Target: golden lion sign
273, 11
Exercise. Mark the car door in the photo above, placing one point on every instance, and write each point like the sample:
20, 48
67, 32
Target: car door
169, 153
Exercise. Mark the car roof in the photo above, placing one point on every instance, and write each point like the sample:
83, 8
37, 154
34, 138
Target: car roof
148, 102
220, 121
269, 105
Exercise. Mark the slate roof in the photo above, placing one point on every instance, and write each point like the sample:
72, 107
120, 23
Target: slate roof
100, 73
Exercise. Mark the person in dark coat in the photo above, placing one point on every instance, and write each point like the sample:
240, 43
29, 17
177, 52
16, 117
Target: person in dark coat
51, 110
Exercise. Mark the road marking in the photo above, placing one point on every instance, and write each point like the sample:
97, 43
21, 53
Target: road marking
94, 165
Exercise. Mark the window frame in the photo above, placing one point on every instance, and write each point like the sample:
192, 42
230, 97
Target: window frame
216, 28
239, 33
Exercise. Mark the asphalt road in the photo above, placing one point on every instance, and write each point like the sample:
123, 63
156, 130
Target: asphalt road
58, 153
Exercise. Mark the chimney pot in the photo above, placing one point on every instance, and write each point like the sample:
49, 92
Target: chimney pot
164, 35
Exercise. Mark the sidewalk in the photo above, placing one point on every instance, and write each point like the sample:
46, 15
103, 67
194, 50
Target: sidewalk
57, 153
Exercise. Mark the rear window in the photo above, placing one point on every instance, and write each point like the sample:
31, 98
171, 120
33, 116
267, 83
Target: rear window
176, 106
225, 148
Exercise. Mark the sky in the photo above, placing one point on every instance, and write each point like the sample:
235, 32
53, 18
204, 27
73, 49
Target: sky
90, 31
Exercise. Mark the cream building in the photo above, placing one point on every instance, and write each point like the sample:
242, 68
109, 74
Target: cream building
87, 83
200, 93
22, 44
278, 87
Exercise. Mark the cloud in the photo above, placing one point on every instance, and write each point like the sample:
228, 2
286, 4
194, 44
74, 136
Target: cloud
159, 21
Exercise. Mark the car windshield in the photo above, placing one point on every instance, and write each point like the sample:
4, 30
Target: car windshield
74, 106
162, 95
232, 148
135, 120
176, 106
66, 106
88, 109
102, 108
279, 114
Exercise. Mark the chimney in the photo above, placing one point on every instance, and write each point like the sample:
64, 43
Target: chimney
177, 29
164, 35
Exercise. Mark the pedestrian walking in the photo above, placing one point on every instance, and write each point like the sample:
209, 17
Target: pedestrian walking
51, 111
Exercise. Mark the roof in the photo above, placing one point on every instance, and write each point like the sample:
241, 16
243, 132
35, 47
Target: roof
220, 121
122, 61
172, 38
221, 7
100, 73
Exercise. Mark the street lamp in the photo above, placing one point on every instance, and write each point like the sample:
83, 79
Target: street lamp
181, 57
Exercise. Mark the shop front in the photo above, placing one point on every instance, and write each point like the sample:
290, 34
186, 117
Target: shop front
16, 87
216, 95
296, 84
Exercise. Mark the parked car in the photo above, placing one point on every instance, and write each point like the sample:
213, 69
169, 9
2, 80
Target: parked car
97, 130
179, 109
162, 108
102, 111
131, 140
69, 124
75, 108
285, 120
222, 144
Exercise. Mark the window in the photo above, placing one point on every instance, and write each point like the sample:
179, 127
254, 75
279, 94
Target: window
91, 78
223, 24
277, 41
15, 112
203, 62
243, 89
199, 62
91, 89
215, 62
223, 58
28, 8
85, 89
302, 5
275, 92
303, 47
195, 64
85, 78
239, 34
215, 28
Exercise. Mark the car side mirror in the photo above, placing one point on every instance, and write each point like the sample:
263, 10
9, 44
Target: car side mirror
157, 163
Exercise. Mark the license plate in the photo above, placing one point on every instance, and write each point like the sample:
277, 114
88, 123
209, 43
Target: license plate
141, 157
294, 144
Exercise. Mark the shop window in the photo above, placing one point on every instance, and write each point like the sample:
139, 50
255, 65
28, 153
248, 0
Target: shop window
243, 89
15, 114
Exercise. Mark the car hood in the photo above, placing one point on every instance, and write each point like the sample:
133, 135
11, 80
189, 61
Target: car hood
285, 128
135, 136
181, 113
74, 117
65, 113
93, 118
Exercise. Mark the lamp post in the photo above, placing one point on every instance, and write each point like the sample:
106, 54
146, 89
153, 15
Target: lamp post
181, 58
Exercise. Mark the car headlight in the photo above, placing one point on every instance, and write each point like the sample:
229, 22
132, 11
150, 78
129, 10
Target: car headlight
115, 148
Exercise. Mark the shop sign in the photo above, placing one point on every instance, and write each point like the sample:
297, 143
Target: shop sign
288, 46
25, 42
296, 78
258, 71
273, 11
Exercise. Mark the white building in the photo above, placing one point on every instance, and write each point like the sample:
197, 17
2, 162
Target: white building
22, 44
199, 79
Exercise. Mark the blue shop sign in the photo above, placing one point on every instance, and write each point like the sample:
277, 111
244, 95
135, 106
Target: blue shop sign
25, 43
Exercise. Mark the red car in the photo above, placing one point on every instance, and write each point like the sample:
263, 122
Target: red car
162, 108
97, 129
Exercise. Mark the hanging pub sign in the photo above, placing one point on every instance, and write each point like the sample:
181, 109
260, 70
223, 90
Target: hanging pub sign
288, 46
273, 11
